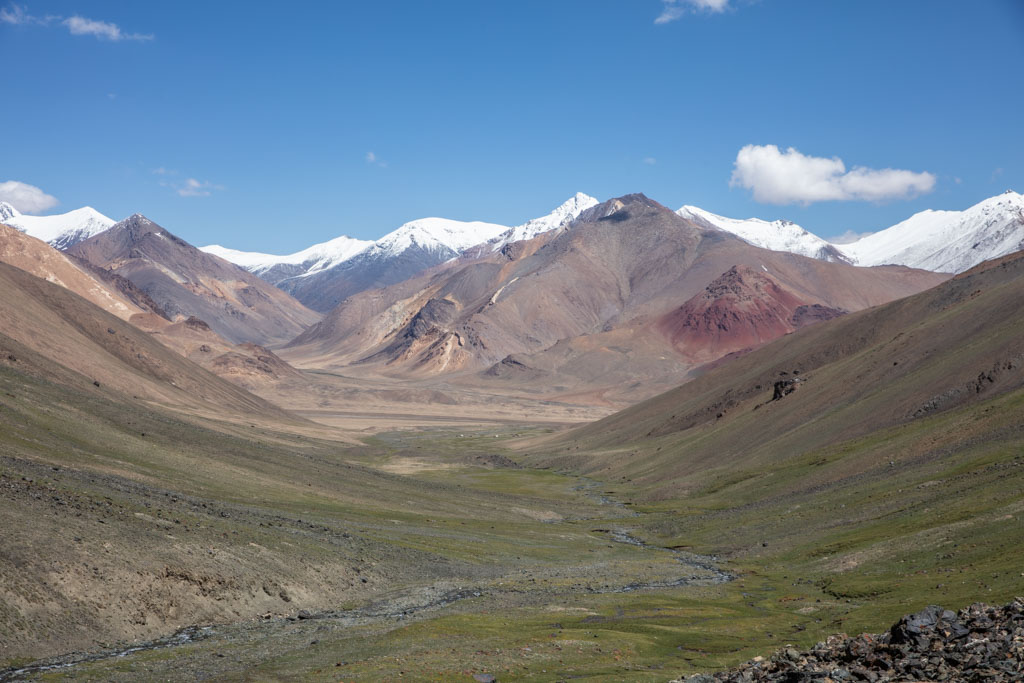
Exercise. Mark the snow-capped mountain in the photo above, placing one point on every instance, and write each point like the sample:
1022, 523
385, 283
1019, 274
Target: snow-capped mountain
439, 235
413, 247
947, 241
559, 218
60, 231
274, 268
323, 275
775, 235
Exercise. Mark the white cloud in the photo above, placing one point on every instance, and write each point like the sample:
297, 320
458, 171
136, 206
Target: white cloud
26, 198
16, 15
196, 188
80, 26
371, 158
189, 187
675, 9
650, 161
849, 237
789, 177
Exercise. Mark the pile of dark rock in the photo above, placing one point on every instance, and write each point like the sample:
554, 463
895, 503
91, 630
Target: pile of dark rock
980, 643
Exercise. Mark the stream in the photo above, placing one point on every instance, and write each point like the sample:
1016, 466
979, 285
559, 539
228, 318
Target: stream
698, 569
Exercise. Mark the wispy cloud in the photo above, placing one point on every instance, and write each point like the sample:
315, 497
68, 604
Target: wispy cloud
18, 15
371, 158
189, 187
676, 9
650, 161
80, 26
777, 177
849, 237
26, 198
197, 188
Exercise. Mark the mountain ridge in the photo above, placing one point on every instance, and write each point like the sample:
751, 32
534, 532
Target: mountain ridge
187, 282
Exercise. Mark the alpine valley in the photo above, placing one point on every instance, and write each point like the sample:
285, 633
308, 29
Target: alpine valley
615, 442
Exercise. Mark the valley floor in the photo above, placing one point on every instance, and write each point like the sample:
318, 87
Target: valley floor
440, 552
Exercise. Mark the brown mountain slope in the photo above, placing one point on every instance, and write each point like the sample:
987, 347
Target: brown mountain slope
245, 364
249, 365
40, 259
952, 346
875, 458
579, 309
186, 282
83, 339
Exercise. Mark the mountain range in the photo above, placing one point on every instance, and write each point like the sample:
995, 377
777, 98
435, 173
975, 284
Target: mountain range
594, 308
324, 275
604, 303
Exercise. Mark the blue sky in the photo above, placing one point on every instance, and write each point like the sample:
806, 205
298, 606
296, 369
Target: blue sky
269, 127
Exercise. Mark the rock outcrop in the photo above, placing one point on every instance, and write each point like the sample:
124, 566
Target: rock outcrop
979, 643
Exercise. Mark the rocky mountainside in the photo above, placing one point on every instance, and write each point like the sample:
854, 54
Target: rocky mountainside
185, 282
576, 307
61, 230
742, 309
947, 241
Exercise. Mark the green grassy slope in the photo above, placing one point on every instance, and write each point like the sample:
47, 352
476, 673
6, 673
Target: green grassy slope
892, 477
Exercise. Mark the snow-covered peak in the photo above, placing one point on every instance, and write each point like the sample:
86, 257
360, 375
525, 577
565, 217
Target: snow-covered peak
7, 211
315, 258
777, 235
436, 235
62, 230
947, 241
559, 218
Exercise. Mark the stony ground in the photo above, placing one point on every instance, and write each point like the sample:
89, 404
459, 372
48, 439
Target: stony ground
978, 643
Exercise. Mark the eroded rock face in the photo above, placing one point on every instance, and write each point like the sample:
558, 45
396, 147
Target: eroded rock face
978, 643
785, 387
